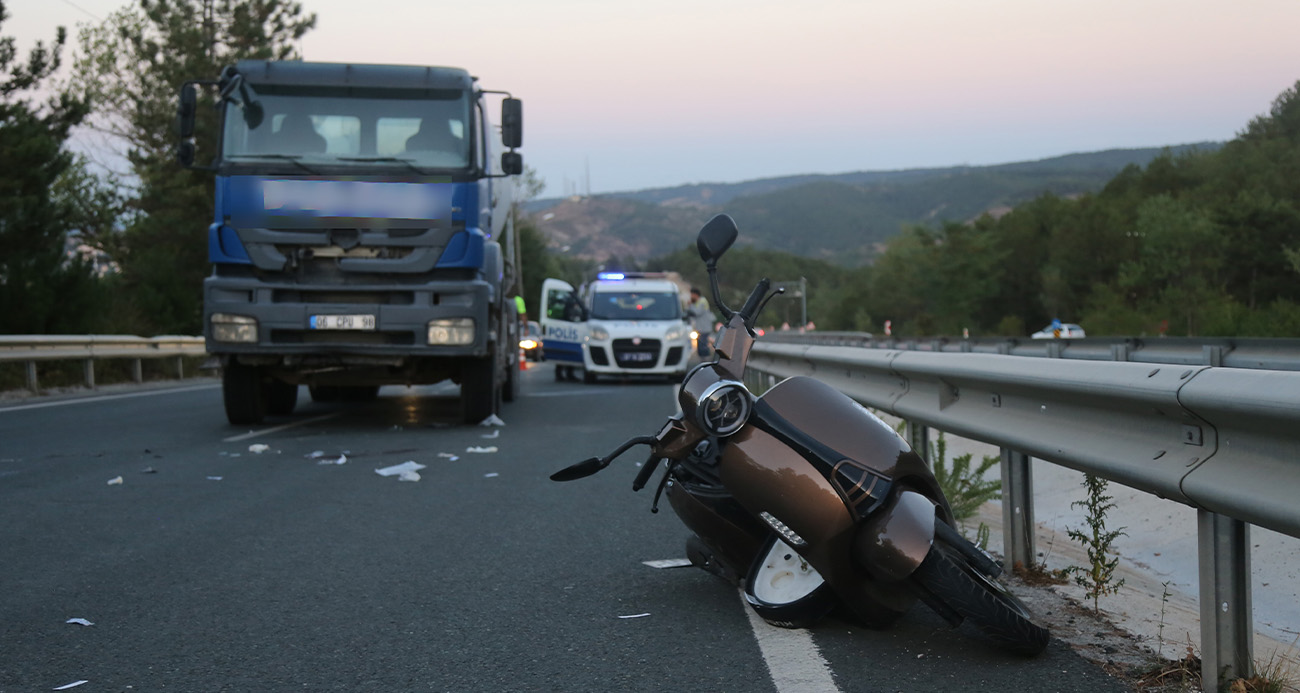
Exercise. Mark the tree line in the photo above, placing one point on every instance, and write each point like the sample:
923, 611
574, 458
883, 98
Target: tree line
1196, 243
150, 219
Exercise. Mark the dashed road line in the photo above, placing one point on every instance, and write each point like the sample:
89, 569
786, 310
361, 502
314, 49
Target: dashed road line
793, 660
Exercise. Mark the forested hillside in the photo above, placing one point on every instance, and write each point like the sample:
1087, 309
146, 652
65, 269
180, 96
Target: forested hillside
844, 218
1199, 243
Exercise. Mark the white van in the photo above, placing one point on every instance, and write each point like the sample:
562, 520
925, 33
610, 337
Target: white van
630, 323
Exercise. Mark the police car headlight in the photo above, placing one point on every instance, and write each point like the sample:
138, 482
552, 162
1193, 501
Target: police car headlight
599, 333
723, 408
674, 333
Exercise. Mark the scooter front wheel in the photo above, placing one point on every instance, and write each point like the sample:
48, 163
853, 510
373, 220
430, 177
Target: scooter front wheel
784, 589
948, 577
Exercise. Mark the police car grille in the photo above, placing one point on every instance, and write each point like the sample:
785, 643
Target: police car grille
643, 355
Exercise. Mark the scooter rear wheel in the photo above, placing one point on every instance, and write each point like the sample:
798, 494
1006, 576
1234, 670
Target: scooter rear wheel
948, 577
784, 590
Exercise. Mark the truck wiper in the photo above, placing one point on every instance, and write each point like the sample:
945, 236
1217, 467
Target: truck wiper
294, 158
383, 159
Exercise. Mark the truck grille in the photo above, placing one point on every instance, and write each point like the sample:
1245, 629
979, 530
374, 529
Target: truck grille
643, 355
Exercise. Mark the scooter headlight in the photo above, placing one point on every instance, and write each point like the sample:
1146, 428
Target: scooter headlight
723, 408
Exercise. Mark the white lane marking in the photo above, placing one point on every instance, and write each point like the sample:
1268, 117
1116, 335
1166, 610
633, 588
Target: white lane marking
567, 393
277, 429
792, 658
106, 398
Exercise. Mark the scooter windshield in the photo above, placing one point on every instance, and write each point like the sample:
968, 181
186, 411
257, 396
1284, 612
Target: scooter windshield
812, 415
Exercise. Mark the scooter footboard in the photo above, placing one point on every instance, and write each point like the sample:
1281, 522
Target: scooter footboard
891, 545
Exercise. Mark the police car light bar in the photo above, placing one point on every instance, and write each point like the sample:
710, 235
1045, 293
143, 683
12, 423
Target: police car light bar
619, 276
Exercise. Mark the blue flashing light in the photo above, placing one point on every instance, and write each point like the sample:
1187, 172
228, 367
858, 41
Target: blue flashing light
611, 276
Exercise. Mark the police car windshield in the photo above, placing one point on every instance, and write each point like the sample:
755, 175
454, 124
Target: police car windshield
635, 305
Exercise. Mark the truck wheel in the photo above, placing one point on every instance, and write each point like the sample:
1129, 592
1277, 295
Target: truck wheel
244, 393
323, 393
480, 390
511, 390
281, 397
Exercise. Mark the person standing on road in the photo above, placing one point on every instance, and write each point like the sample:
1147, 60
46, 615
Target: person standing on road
701, 315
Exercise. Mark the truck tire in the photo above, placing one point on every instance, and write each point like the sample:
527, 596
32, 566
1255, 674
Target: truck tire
480, 388
324, 393
281, 397
244, 392
511, 390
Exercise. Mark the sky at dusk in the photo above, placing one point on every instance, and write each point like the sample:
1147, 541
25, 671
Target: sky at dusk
630, 95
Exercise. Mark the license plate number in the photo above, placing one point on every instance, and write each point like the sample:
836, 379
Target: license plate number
637, 356
342, 322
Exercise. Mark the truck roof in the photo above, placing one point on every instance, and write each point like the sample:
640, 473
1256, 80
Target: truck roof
297, 72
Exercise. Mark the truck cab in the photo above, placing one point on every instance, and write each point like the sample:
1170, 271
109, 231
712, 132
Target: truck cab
361, 234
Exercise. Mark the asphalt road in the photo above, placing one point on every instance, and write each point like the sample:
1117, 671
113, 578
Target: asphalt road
225, 569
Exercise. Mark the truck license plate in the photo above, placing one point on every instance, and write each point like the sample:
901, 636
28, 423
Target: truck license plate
343, 322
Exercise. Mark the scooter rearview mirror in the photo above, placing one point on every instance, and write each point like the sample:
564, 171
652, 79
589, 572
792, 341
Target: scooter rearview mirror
716, 237
587, 467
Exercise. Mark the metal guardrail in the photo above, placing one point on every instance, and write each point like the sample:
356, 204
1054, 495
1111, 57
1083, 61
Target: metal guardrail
87, 348
1213, 424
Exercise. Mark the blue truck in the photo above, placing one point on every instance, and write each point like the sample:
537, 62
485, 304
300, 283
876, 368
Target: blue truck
362, 233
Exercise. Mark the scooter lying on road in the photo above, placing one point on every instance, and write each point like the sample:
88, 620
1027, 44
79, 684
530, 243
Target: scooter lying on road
807, 499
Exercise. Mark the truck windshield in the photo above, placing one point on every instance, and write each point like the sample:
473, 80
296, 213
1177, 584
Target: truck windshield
629, 305
423, 128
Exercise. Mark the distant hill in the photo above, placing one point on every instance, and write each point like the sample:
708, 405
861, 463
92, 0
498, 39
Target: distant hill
845, 218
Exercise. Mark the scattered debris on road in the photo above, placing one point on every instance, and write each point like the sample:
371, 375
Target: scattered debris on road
79, 621
115, 481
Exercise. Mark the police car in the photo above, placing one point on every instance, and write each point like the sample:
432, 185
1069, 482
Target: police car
629, 323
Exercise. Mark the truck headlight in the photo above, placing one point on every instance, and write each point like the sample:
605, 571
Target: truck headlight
451, 332
233, 328
599, 333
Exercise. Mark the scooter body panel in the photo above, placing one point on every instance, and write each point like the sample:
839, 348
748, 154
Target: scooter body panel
823, 465
894, 541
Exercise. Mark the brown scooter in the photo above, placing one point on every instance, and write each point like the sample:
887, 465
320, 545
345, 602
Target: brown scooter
807, 499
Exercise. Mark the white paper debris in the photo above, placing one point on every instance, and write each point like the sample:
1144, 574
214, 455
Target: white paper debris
409, 476
80, 621
491, 448
315, 454
399, 469
215, 478
668, 563
343, 459
492, 420
258, 448
490, 475
74, 684
115, 481
449, 456
635, 615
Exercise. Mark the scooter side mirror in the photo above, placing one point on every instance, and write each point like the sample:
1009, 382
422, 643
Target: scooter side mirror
716, 237
587, 467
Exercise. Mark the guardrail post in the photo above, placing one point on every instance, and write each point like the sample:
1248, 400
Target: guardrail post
1227, 626
31, 377
918, 436
180, 367
137, 370
1018, 509
89, 367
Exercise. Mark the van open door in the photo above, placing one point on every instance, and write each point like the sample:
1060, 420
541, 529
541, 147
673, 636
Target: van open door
564, 326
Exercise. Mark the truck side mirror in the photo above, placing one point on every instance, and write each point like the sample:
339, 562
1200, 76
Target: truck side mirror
512, 163
185, 154
185, 111
512, 123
